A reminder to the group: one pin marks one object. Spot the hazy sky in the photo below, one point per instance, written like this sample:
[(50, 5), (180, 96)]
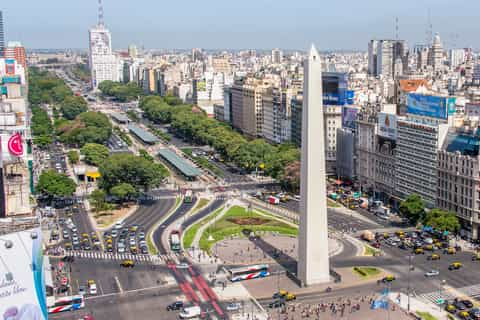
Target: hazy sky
[(235, 24)]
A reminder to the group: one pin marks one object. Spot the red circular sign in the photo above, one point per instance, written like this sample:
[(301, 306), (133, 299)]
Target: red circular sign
[(60, 264), (15, 145), (64, 281)]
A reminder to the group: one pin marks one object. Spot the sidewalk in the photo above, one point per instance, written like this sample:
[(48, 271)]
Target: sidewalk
[(417, 305)]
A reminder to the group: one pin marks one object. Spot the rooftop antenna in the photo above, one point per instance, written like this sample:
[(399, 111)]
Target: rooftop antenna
[(396, 28), (430, 28), (100, 13)]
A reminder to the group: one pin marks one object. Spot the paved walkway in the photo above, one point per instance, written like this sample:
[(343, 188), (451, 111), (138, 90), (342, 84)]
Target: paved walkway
[(416, 304)]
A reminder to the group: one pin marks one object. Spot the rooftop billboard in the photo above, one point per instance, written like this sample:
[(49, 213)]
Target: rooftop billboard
[(430, 106), (349, 117), (22, 285), (387, 125)]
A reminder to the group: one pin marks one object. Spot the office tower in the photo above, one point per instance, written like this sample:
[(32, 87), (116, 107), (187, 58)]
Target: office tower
[(2, 36), (372, 57), (102, 61), (313, 259), (277, 56), (457, 57), (387, 58), (436, 53)]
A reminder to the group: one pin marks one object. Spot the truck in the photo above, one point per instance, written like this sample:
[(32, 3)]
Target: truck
[(382, 211), (190, 312), (273, 200)]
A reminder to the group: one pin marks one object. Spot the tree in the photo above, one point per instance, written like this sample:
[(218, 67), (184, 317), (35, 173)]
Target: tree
[(72, 106), (120, 91), (53, 184), (135, 170), (88, 127), (73, 156), (291, 177), (144, 154), (42, 141), (442, 220), (97, 199), (123, 192), (95, 154), (413, 208)]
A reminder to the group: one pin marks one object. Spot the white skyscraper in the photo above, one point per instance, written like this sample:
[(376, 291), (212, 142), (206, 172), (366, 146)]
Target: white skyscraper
[(313, 260), (437, 53), (102, 61)]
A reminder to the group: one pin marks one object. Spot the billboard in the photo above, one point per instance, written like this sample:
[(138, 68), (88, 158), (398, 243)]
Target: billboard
[(387, 125), (472, 109), (430, 106), (349, 116), (334, 87), (22, 283)]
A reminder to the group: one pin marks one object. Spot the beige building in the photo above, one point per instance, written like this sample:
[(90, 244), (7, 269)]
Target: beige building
[(459, 179)]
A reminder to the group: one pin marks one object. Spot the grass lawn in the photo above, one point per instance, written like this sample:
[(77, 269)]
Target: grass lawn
[(201, 203), (190, 233), (236, 220), (366, 272), (369, 251), (426, 315)]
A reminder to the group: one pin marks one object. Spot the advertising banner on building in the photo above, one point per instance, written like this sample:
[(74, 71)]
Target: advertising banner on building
[(387, 125), (430, 106), (12, 147), (22, 283), (349, 116), (472, 109)]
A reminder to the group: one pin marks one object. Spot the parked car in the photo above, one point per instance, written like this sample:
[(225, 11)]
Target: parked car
[(432, 273), (177, 305)]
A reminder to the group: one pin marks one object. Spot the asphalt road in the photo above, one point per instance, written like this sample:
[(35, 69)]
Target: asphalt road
[(158, 233), (150, 212), (217, 203)]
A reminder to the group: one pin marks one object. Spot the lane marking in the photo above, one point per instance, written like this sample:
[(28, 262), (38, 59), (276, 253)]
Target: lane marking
[(119, 285)]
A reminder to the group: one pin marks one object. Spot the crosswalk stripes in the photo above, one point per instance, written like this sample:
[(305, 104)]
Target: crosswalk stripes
[(155, 259), (471, 291)]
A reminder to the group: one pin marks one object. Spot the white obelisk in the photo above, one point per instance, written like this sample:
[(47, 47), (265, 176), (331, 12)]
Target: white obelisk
[(313, 260)]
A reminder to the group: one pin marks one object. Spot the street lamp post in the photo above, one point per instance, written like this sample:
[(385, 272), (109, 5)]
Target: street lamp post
[(410, 267)]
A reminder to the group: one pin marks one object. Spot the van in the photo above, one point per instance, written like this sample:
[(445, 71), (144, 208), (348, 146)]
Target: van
[(190, 312)]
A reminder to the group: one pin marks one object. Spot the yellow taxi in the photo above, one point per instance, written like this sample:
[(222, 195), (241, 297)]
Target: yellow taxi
[(476, 257), (455, 266), (450, 250), (429, 247), (419, 251), (464, 315), (433, 256), (127, 263), (290, 297), (85, 235), (68, 245), (399, 233), (450, 308)]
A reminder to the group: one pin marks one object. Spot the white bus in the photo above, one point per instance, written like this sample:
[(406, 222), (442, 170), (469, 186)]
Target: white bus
[(69, 303), (249, 272)]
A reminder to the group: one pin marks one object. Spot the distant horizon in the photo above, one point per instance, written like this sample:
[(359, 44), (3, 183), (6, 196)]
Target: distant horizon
[(343, 26)]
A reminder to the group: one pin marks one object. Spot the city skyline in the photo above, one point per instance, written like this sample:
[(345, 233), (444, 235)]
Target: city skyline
[(146, 24)]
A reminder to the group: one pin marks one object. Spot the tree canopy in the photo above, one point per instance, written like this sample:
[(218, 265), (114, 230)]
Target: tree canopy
[(141, 173), (44, 87), (442, 220), (413, 208), (53, 184), (191, 124), (123, 192), (95, 154), (72, 106), (88, 127), (120, 91), (73, 156)]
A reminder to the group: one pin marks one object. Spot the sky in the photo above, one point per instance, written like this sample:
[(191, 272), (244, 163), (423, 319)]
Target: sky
[(241, 24)]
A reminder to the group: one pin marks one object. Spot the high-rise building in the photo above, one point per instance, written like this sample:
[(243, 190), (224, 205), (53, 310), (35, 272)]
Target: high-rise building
[(313, 259), (132, 51), (436, 53), (372, 57), (459, 179), (2, 35), (277, 56), (16, 51), (102, 61), (387, 58), (456, 57)]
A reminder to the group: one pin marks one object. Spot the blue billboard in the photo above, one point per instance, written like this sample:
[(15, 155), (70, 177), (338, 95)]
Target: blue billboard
[(349, 117), (430, 106), (334, 85)]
